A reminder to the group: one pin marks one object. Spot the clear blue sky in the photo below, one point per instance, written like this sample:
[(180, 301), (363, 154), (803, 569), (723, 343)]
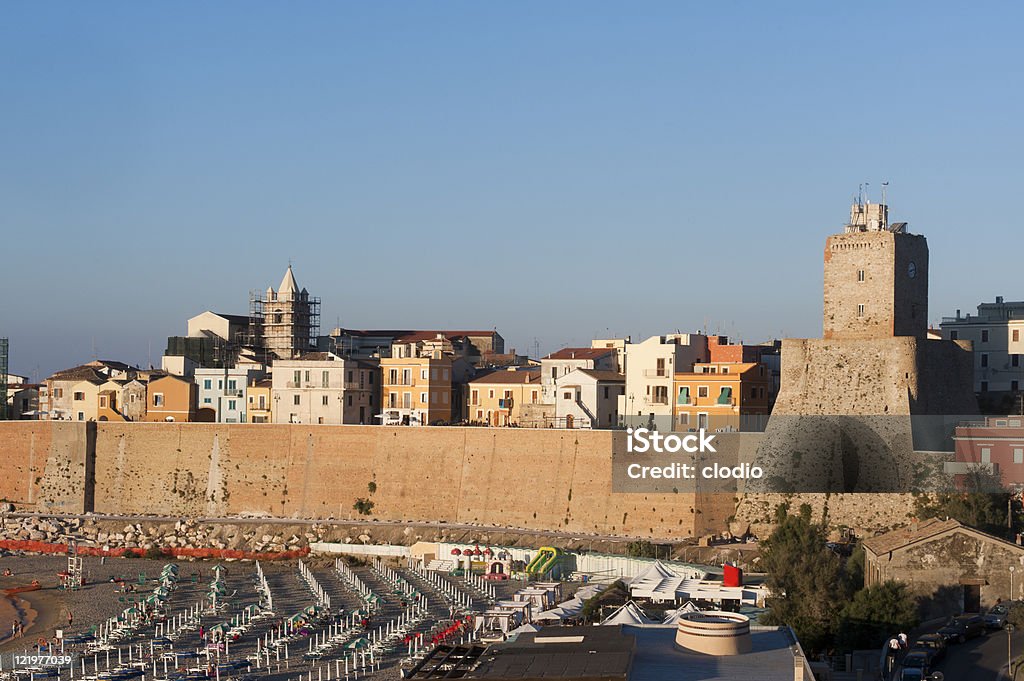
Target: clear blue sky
[(557, 170)]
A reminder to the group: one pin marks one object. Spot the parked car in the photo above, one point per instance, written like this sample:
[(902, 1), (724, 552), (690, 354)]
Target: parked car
[(996, 617), (917, 659), (962, 628), (933, 643)]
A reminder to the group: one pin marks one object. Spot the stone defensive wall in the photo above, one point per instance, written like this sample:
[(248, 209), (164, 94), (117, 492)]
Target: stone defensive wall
[(535, 479)]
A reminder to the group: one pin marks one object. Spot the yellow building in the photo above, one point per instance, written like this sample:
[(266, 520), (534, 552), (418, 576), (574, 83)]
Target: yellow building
[(416, 390), (721, 396), (497, 398), (257, 398)]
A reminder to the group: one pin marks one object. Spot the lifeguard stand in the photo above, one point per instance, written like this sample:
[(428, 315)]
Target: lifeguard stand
[(73, 576)]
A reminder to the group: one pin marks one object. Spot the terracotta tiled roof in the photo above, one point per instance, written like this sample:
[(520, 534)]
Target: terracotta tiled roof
[(508, 378), (904, 536), (580, 353)]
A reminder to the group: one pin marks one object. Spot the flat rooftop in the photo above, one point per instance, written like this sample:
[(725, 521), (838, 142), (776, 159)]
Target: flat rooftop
[(657, 657), (628, 653)]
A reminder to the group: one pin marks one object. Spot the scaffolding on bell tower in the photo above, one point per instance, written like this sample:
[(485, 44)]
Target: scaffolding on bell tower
[(284, 322)]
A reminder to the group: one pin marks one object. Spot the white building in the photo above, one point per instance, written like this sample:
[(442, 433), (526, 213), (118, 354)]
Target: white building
[(997, 333), (567, 360), (323, 388), (222, 391), (588, 398), (651, 366)]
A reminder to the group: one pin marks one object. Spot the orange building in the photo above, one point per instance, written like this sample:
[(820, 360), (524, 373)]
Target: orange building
[(171, 398), (722, 396), (416, 390)]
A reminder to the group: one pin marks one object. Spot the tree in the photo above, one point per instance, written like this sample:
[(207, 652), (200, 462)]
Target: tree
[(805, 578), (981, 506), (364, 506), (876, 613)]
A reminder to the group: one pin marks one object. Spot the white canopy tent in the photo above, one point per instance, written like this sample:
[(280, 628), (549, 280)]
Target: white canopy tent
[(628, 613)]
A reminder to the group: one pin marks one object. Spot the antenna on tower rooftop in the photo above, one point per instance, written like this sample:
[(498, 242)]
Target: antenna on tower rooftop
[(885, 213)]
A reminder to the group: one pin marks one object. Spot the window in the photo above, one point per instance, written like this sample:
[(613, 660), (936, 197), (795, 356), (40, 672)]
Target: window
[(661, 366), (371, 378), (81, 416), (725, 370), (320, 420), (1018, 454), (860, 310), (753, 393), (207, 384), (297, 378), (349, 376), (393, 376), (554, 373), (232, 405), (158, 400), (984, 335), (79, 397), (350, 400), (986, 455), (606, 392), (474, 397), (984, 359), (444, 374), (296, 399), (232, 384), (1015, 360), (566, 396), (207, 400), (490, 394), (702, 391), (1014, 386), (325, 379), (954, 335), (324, 400), (103, 401), (1016, 335), (220, 385), (424, 397), (479, 414), (444, 397), (984, 386), (307, 376), (58, 392), (684, 419), (423, 374), (406, 376), (533, 397), (860, 275)]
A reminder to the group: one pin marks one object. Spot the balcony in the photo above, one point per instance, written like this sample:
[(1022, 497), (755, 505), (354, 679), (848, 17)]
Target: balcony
[(655, 373), (656, 399), (233, 392)]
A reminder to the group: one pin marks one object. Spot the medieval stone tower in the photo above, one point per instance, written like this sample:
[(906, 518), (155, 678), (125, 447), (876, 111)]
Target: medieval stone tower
[(861, 408), (876, 278), (289, 319)]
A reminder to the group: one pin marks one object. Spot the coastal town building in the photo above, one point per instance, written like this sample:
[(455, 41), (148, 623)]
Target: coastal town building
[(324, 389), (60, 400), (221, 392), (950, 567), (497, 398), (588, 398), (996, 334), (994, 444), (417, 383), (652, 364), (566, 360), (722, 396), (258, 398), (171, 398)]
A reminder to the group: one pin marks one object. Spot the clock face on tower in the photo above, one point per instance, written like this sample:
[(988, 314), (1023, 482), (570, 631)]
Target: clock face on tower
[(912, 269)]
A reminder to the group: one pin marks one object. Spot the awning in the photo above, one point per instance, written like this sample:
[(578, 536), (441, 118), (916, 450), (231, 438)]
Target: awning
[(726, 396), (684, 396)]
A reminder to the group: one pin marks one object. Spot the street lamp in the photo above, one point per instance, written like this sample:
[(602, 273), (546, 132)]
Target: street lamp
[(1009, 649)]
